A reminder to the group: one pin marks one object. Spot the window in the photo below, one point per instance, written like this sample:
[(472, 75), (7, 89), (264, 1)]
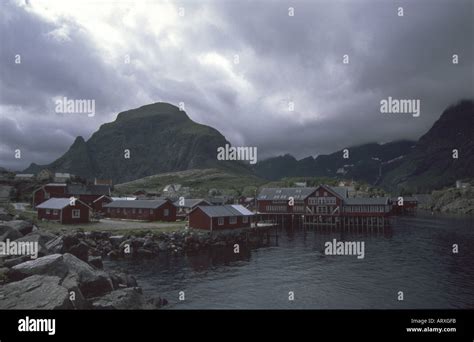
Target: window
[(151, 211), (220, 221), (233, 220), (76, 213), (134, 211), (47, 195), (325, 193), (245, 219), (108, 210), (55, 212), (166, 212), (118, 210), (48, 211), (139, 211)]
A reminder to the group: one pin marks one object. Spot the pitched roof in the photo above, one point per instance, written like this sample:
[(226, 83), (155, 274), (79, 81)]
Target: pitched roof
[(56, 203), (366, 201), (190, 202), (285, 193), (340, 190), (225, 210), (140, 204)]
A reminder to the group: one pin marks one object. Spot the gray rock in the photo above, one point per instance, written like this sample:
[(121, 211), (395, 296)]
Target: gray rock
[(163, 246), (123, 299), (91, 282), (75, 294), (121, 280), (70, 240), (15, 261), (7, 232), (42, 238), (116, 240), (81, 250), (35, 293), (24, 227), (56, 245)]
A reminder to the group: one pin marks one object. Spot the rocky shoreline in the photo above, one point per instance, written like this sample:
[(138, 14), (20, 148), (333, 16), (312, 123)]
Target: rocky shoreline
[(68, 272), (452, 200)]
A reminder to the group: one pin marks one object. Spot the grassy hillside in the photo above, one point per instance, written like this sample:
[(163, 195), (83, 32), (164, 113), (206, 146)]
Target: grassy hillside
[(199, 180)]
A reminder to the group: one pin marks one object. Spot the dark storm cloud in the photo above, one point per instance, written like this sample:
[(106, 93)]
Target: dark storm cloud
[(282, 59)]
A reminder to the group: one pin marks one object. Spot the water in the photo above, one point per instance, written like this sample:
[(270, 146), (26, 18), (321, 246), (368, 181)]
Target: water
[(414, 256)]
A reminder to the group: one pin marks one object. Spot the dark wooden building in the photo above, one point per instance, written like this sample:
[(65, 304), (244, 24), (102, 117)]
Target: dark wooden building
[(322, 205), (51, 190), (220, 217), (64, 210), (408, 205), (86, 193), (146, 210)]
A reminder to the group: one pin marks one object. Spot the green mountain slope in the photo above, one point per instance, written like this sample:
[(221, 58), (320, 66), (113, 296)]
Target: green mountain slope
[(159, 137)]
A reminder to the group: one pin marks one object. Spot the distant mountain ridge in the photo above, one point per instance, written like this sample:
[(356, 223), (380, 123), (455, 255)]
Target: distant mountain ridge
[(363, 163), (399, 166), (159, 137)]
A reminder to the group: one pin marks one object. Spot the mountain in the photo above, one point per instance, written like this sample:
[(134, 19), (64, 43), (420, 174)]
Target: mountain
[(431, 164), (160, 138), (401, 166), (363, 163)]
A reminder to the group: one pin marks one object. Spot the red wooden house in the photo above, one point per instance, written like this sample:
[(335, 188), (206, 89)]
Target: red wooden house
[(64, 210), (86, 193), (146, 210), (51, 190), (220, 217)]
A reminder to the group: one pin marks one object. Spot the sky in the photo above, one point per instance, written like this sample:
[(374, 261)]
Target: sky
[(250, 69)]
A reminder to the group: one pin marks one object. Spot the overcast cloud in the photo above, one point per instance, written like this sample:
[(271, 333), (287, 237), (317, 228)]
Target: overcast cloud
[(78, 49)]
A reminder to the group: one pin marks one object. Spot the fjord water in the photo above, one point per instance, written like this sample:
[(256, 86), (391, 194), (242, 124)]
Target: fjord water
[(415, 256)]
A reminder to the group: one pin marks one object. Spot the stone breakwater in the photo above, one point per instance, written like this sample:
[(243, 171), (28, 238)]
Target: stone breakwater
[(68, 271)]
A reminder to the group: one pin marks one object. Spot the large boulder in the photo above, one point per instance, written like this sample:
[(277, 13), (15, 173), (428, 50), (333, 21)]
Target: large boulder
[(24, 227), (55, 245), (124, 299), (37, 292), (5, 215), (90, 281), (81, 250), (9, 233), (122, 280), (116, 240), (41, 237)]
